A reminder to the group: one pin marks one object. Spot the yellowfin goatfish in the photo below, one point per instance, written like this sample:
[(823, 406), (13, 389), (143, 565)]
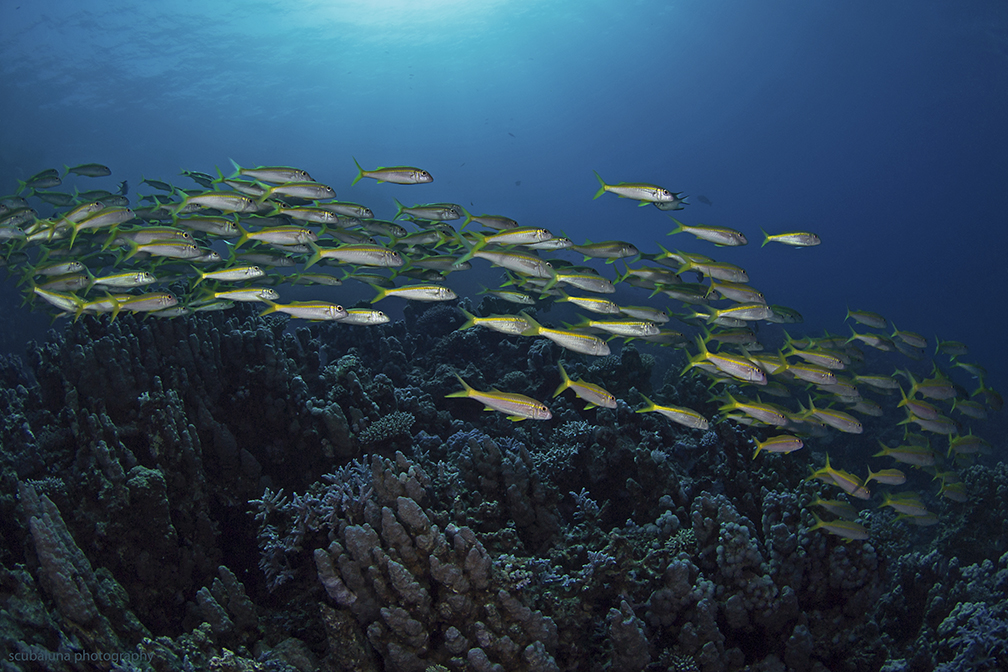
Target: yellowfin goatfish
[(908, 503), (868, 318), (234, 274), (490, 221), (344, 209), (887, 476), (522, 235), (968, 444), (836, 507), (264, 294), (68, 303), (280, 235), (168, 249), (511, 297), (593, 394), (272, 174), (625, 328), (394, 174), (645, 313), (436, 212), (145, 303), (513, 325), (639, 191), (765, 413), (307, 310), (89, 170), (520, 262), (126, 279), (918, 456), (833, 418), (794, 238), (684, 416), (417, 293), (718, 270), (576, 341), (517, 406), (845, 529), (785, 443), (737, 291), (360, 255), (846, 481), (101, 218), (601, 306), (311, 191), (589, 282), (364, 317), (735, 366), (225, 201), (714, 234), (610, 250)]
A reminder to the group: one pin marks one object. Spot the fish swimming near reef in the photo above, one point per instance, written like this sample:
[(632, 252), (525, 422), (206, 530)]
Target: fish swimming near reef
[(517, 406), (394, 175)]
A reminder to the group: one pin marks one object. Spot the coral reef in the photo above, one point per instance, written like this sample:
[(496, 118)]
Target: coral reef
[(221, 492)]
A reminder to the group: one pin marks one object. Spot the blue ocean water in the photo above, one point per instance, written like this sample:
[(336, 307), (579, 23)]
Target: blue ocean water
[(878, 126)]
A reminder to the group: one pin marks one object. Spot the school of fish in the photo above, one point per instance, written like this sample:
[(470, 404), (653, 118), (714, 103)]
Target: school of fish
[(240, 238)]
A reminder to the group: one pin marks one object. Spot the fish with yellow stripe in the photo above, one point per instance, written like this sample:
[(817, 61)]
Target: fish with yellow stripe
[(517, 406)]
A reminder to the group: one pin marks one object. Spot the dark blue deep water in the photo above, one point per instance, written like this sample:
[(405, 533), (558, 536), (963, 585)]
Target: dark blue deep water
[(881, 127)]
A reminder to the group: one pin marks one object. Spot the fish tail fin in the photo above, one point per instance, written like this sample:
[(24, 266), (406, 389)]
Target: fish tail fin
[(113, 232), (237, 168), (265, 195), (360, 172), (871, 476), (534, 327), (565, 380), (133, 247), (678, 229), (602, 189), (703, 346), (766, 239), (73, 236), (382, 293), (650, 404), (273, 307), (243, 238), (759, 447), (315, 258), (470, 247), (400, 208), (470, 319), (554, 278), (201, 276), (464, 392), (468, 218), (220, 177)]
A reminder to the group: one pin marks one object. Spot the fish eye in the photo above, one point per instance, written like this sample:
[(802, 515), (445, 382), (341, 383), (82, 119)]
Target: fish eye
[(339, 308)]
